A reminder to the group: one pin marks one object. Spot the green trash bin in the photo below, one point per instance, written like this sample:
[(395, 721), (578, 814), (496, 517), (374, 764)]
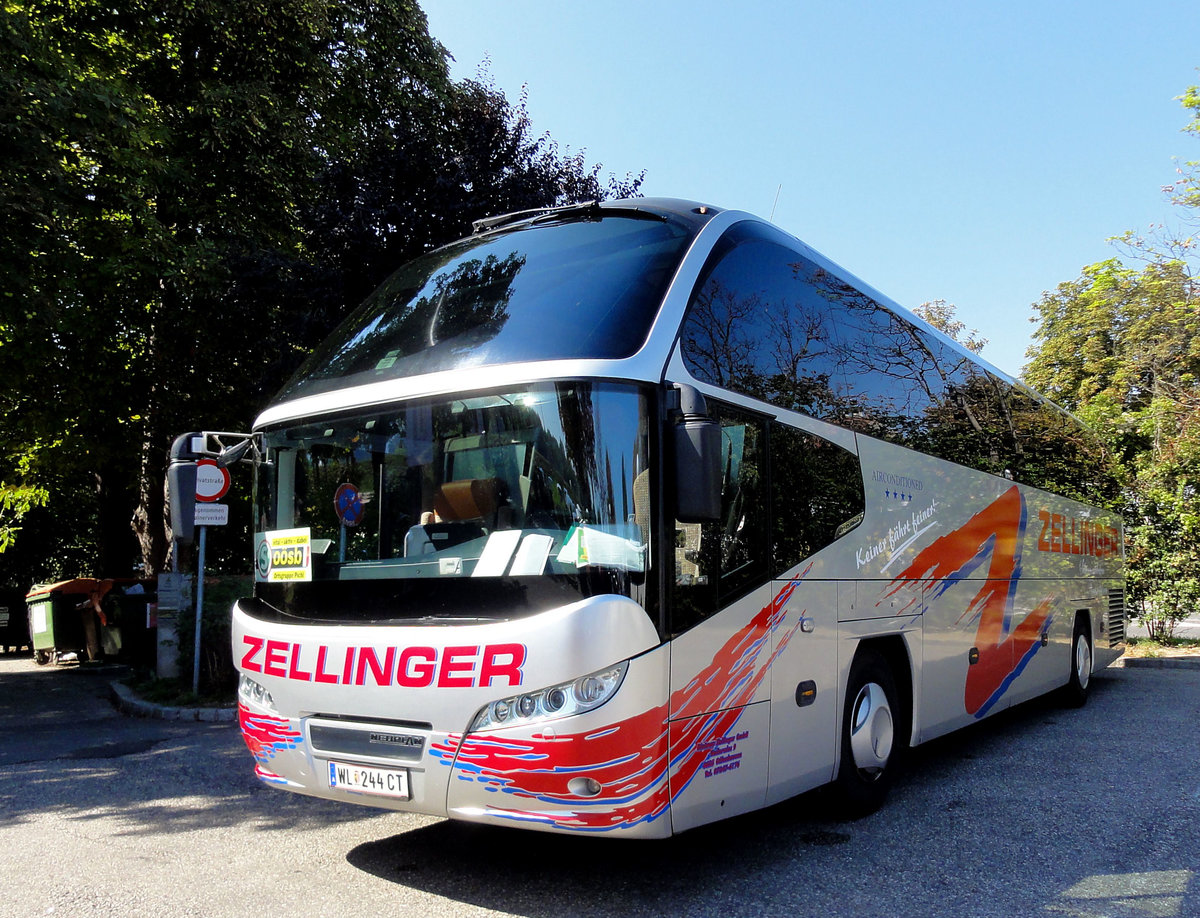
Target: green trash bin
[(120, 630), (55, 620)]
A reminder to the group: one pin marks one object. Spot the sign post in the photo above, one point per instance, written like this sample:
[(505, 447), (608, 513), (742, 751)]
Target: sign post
[(212, 483)]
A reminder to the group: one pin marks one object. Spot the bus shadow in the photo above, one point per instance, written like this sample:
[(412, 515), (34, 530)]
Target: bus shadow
[(977, 739), (537, 874)]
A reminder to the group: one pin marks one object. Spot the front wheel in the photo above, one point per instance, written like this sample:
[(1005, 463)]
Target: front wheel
[(869, 741), (1076, 691)]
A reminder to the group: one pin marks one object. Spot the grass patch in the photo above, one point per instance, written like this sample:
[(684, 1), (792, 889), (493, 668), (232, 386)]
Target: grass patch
[(174, 693), (1168, 647)]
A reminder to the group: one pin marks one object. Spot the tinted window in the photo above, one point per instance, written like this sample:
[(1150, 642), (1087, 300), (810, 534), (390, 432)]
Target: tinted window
[(715, 563), (757, 324), (1053, 452), (774, 513), (816, 495), (891, 376), (584, 289), (766, 321)]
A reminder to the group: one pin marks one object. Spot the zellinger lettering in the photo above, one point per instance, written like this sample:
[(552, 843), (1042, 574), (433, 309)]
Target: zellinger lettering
[(1069, 535), (465, 666)]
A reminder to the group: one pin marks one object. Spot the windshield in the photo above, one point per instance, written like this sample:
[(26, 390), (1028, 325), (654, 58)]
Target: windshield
[(580, 289), (471, 505)]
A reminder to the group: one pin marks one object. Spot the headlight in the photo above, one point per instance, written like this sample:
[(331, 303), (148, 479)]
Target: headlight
[(251, 692), (583, 694)]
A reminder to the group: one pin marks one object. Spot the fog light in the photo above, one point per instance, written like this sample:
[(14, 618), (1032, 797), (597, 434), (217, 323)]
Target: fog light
[(584, 787)]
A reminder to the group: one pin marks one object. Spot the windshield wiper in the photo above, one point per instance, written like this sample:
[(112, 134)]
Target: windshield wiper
[(587, 210)]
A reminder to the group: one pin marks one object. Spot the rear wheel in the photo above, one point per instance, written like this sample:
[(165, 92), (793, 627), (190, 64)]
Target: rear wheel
[(869, 742), (1076, 691)]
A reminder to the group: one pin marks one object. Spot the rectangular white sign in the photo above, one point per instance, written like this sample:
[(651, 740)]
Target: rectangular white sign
[(211, 514)]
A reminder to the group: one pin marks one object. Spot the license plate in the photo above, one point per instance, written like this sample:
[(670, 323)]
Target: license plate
[(387, 782)]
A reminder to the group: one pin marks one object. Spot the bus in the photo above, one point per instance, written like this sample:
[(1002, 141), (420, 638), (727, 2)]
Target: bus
[(628, 517)]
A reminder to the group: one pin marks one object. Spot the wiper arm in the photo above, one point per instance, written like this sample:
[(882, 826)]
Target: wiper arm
[(586, 210)]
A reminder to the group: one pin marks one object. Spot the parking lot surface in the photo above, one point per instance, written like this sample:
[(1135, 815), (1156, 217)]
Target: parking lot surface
[(1038, 811)]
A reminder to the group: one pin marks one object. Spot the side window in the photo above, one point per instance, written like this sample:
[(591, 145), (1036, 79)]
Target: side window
[(893, 378), (759, 324), (1055, 453), (816, 495), (715, 563)]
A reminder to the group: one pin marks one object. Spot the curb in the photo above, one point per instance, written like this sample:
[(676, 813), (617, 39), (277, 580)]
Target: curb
[(1161, 662), (128, 702)]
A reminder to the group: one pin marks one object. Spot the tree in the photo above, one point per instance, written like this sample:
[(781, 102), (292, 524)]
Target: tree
[(1185, 191), (194, 194), (15, 502), (421, 184), (1120, 346), (152, 141), (942, 316)]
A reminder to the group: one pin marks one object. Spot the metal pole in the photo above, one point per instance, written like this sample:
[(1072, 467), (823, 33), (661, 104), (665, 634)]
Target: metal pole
[(199, 612)]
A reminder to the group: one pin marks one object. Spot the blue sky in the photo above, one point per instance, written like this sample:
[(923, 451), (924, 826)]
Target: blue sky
[(975, 152)]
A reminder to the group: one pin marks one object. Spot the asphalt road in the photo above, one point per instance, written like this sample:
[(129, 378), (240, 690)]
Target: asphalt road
[(1039, 811)]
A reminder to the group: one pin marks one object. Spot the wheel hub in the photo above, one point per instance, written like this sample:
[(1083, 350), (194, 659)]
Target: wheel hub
[(872, 730), (1083, 661)]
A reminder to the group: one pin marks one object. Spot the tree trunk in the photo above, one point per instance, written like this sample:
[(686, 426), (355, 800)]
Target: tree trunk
[(150, 518), (116, 551)]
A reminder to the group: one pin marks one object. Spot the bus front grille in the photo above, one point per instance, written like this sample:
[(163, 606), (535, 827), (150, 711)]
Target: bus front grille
[(364, 739)]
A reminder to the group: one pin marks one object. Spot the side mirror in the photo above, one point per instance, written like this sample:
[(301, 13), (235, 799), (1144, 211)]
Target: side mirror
[(697, 460), (232, 455), (181, 487)]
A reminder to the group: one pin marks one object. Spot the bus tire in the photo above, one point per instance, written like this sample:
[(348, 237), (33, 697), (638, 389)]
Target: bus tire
[(869, 749), (1076, 691)]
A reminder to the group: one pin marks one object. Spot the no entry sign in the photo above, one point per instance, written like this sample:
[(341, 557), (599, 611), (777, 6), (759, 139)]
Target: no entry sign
[(212, 481)]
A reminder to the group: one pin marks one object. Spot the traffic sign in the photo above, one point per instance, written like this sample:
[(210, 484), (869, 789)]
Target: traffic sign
[(349, 505), (212, 481), (209, 514)]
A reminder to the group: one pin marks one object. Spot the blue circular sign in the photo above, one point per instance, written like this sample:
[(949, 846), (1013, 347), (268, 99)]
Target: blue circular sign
[(349, 505)]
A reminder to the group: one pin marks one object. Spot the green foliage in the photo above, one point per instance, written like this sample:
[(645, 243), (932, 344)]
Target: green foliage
[(1120, 346), (15, 502), (1186, 191), (942, 316), (1163, 577), (217, 673), (194, 194)]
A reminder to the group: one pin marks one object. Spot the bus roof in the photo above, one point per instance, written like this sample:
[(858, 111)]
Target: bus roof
[(588, 290)]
